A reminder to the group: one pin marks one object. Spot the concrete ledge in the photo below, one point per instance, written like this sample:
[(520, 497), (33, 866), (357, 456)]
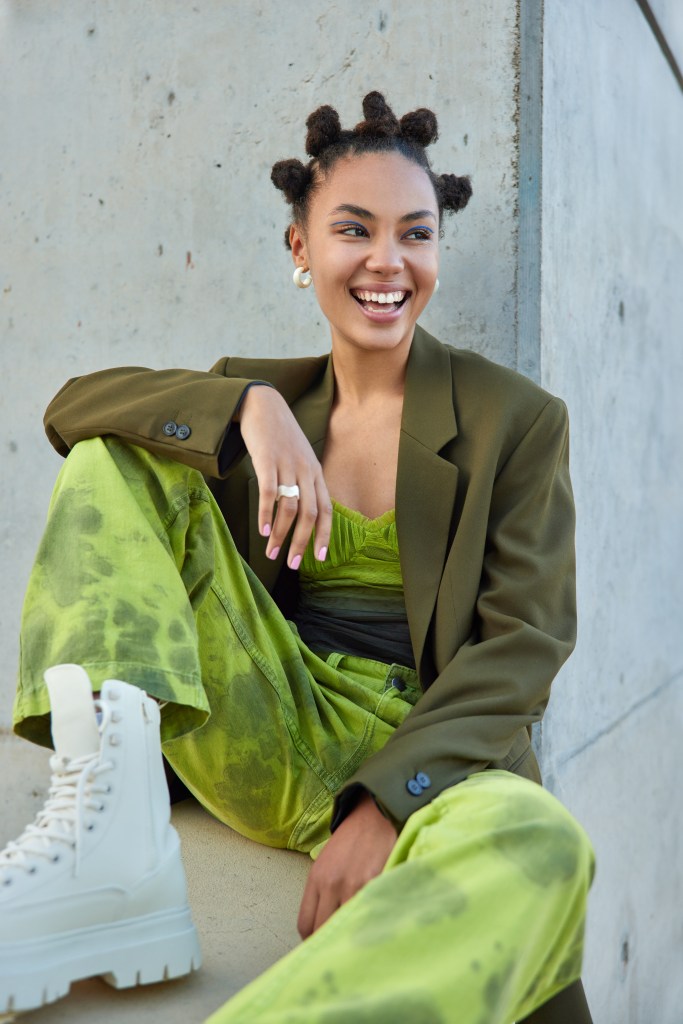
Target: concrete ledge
[(244, 898)]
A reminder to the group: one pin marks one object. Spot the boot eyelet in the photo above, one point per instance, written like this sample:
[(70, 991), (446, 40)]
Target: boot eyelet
[(33, 870), (100, 808), (56, 859), (7, 881), (116, 716), (114, 740), (90, 827)]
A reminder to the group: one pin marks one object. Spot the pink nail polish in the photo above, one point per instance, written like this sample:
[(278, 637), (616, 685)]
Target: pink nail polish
[(273, 554), (296, 562), (322, 554), (265, 530)]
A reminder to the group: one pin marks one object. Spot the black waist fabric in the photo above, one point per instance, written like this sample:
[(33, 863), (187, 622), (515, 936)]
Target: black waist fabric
[(380, 637)]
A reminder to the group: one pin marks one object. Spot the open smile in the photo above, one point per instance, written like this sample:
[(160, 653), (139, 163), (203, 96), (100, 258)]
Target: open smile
[(380, 302)]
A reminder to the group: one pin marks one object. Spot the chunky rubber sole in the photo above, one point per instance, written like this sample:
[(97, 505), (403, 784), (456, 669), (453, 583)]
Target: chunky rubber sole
[(139, 951)]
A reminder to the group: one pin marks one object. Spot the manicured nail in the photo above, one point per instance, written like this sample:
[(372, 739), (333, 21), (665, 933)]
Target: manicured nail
[(265, 530), (273, 554), (322, 554), (296, 562)]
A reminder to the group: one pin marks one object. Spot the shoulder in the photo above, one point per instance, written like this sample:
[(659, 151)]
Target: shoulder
[(494, 405), (482, 388), (480, 378)]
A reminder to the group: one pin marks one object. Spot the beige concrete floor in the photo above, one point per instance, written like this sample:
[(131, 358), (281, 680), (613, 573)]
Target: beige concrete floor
[(244, 899)]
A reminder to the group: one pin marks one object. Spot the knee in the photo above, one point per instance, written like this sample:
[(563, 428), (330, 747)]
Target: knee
[(114, 460), (544, 839)]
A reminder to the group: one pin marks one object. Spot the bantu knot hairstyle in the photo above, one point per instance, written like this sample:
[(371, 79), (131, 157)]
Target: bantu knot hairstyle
[(324, 129), (292, 177), (379, 132), (455, 192)]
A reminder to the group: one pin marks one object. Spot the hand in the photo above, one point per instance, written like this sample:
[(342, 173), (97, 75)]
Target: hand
[(355, 854), (281, 454)]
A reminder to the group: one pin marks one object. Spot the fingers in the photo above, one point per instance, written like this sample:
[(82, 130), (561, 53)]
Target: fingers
[(267, 489), (327, 904), (318, 904), (288, 509), (312, 510), (282, 455), (309, 904), (323, 524)]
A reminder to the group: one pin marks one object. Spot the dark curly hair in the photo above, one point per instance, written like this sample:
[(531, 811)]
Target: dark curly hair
[(380, 132)]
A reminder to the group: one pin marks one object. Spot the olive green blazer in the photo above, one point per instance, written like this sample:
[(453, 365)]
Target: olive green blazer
[(485, 523)]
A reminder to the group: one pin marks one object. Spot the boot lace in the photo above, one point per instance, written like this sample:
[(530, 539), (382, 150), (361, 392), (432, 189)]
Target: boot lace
[(75, 787)]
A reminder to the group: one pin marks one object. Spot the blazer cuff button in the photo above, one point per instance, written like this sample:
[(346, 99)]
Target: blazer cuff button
[(183, 432), (169, 428)]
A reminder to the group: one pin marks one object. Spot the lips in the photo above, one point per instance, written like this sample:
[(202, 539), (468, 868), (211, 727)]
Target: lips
[(380, 302)]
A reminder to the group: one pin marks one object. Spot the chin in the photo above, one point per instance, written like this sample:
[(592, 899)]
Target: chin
[(375, 340)]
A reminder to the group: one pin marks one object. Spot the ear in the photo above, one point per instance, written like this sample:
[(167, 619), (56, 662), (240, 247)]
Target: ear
[(298, 246)]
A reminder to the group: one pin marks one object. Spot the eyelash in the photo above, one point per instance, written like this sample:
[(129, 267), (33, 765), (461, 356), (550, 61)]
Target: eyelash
[(423, 234)]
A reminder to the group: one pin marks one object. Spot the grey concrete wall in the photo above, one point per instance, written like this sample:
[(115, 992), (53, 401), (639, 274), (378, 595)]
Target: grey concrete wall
[(612, 345), (138, 222), (138, 225), (669, 17)]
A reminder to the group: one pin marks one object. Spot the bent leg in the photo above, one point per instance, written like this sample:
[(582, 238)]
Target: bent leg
[(478, 917), (125, 559), (138, 578)]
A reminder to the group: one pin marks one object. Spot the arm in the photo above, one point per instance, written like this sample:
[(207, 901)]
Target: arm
[(135, 404), (498, 681), (495, 685), (221, 418), (355, 854)]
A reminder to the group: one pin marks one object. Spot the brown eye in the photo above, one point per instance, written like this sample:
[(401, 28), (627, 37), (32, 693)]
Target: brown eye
[(421, 234), (353, 231)]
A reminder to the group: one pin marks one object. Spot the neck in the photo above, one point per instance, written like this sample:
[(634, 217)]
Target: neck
[(364, 376)]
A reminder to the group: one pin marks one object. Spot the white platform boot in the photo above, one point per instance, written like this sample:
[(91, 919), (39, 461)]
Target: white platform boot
[(95, 886)]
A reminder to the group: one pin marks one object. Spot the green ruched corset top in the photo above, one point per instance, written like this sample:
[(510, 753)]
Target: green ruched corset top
[(352, 603)]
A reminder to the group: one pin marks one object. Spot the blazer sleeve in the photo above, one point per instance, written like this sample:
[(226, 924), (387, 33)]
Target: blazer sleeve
[(498, 681), (148, 407)]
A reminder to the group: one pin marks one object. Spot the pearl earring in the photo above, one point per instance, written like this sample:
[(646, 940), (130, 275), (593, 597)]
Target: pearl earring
[(302, 278), (436, 286)]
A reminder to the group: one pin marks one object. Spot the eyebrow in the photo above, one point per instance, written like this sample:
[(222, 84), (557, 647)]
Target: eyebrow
[(359, 211)]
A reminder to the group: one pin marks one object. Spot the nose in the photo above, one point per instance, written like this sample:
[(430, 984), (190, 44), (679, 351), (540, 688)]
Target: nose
[(385, 256)]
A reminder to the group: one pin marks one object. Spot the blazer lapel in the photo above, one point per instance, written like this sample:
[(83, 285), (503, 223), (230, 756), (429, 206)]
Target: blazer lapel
[(312, 412), (426, 483), (425, 486)]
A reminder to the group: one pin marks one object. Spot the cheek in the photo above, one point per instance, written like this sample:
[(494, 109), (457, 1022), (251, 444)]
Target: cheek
[(331, 274), (428, 271)]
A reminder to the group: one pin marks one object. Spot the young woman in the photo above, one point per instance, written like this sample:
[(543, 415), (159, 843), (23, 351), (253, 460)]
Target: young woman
[(347, 582)]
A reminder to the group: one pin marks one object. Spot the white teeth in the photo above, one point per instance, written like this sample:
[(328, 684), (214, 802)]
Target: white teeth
[(380, 297)]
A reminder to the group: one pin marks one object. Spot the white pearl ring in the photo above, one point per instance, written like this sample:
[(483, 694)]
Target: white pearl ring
[(284, 491)]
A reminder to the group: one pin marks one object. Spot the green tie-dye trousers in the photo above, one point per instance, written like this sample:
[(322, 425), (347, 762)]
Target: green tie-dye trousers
[(478, 916)]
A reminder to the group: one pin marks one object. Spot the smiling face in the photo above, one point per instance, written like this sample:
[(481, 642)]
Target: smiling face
[(371, 242)]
